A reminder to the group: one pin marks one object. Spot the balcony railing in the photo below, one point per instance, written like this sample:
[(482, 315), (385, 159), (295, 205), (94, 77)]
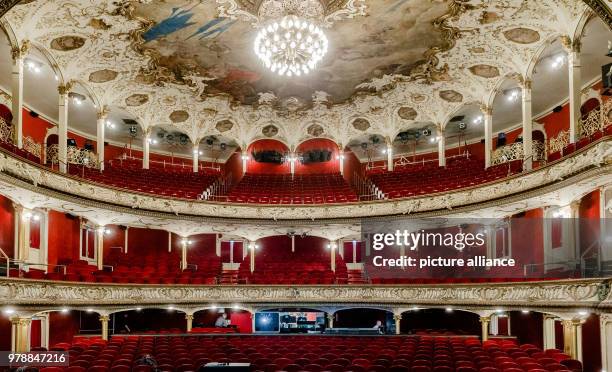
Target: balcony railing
[(76, 156), (514, 151)]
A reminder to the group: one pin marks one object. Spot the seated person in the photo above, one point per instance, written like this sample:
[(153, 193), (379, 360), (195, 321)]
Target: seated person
[(222, 321), (379, 326)]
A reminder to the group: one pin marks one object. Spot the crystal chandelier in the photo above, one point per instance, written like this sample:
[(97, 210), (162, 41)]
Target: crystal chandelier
[(291, 47)]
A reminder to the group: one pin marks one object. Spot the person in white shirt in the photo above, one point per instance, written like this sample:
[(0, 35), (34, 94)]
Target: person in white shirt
[(222, 321)]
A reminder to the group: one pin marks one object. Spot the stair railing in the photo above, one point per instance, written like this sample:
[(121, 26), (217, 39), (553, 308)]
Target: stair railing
[(584, 256), (7, 259)]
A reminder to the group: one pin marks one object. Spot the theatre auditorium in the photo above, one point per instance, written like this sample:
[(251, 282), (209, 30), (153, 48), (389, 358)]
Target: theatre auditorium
[(306, 185)]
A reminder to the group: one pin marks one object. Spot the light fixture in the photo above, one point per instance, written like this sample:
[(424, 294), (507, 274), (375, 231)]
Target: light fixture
[(583, 313), (513, 95), (89, 310), (8, 311), (110, 124), (236, 307), (34, 66), (499, 311), (525, 311), (291, 46), (139, 309), (170, 308), (478, 119), (36, 217), (384, 151), (245, 157), (558, 61), (332, 246), (449, 309), (64, 310)]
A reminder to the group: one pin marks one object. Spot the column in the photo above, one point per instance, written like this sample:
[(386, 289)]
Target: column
[(549, 332), (575, 86), (484, 323), (292, 160), (169, 241), (389, 152), (332, 247), (487, 112), (62, 128), (145, 150), (100, 230), (18, 55), (189, 318), (527, 125), (494, 325), (441, 146), (605, 330), (244, 156), (101, 126), (184, 243), (104, 320), (330, 320), (231, 247), (22, 218), (20, 331), (572, 340), (252, 247), (196, 157), (292, 243), (125, 239), (398, 321), (341, 160), (218, 245)]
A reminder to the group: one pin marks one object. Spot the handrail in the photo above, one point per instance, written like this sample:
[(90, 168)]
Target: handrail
[(595, 244), (7, 258), (543, 265), (26, 264)]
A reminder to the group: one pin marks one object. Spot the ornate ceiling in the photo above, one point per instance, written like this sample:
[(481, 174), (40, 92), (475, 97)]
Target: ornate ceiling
[(392, 65)]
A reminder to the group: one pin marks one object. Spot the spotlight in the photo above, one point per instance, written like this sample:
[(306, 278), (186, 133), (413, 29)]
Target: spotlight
[(449, 309), (236, 307), (583, 313), (525, 311), (64, 310), (170, 308), (213, 307), (499, 311), (139, 309), (89, 310), (8, 311)]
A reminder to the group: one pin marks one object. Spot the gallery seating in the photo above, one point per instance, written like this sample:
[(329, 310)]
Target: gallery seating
[(285, 189), (314, 353)]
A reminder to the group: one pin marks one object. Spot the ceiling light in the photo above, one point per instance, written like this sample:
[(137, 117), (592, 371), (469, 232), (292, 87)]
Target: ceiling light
[(583, 313), (478, 120), (290, 47), (235, 307), (558, 61), (138, 308), (449, 309), (525, 311), (64, 310), (9, 311), (89, 310)]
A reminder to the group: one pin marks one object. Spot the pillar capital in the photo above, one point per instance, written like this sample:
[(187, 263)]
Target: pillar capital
[(104, 318), (485, 319), (103, 113), (571, 46), (189, 316), (330, 317), (486, 109), (525, 84), (20, 52), (64, 89), (397, 317), (21, 320)]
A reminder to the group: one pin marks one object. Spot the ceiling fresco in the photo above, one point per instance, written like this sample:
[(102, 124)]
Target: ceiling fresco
[(187, 39)]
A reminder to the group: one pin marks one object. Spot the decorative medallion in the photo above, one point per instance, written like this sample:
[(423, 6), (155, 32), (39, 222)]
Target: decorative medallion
[(67, 43), (522, 35), (103, 76), (224, 126), (269, 131), (315, 130), (407, 113), (485, 71), (137, 100), (361, 124), (179, 116), (451, 96)]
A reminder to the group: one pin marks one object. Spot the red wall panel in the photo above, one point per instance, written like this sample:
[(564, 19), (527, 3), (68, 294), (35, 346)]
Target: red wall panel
[(267, 168), (527, 238), (242, 319), (7, 221), (63, 238), (331, 166)]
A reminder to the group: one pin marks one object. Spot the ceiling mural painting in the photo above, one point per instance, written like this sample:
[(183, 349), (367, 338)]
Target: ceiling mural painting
[(392, 65), (190, 41)]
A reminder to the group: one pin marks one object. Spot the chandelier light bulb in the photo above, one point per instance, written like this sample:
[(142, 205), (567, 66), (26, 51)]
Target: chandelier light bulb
[(292, 47)]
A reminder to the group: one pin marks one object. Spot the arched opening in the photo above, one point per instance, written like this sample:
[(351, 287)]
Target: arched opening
[(268, 156), (317, 156), (222, 320), (440, 322), (364, 318), (147, 321), (69, 326), (290, 320)]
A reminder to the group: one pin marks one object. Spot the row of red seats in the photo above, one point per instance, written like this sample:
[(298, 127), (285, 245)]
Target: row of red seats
[(287, 189), (316, 353)]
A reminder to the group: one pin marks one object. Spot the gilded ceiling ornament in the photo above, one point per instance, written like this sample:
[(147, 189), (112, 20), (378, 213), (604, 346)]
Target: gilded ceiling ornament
[(137, 99), (67, 43), (315, 130), (269, 131), (407, 113), (224, 126), (103, 76), (361, 124), (451, 96), (179, 116), (522, 35), (485, 71)]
